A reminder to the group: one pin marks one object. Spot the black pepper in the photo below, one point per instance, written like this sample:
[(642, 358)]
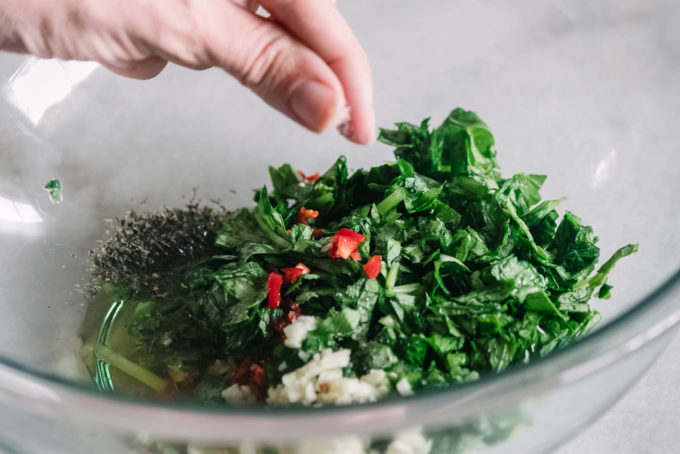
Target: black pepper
[(145, 250)]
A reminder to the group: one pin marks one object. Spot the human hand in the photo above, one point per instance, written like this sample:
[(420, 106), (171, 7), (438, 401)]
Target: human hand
[(304, 60)]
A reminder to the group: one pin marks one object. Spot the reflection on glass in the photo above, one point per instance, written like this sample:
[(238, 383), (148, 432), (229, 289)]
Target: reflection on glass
[(40, 84), (17, 212), (481, 434), (26, 388), (605, 168)]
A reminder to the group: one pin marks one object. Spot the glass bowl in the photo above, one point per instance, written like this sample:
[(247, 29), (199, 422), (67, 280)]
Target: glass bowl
[(584, 92)]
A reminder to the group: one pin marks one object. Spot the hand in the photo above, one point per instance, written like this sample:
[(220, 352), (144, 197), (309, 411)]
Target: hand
[(304, 60)]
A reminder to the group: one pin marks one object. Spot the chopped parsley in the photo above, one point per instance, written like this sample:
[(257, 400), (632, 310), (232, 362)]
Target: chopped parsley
[(53, 188), (433, 269)]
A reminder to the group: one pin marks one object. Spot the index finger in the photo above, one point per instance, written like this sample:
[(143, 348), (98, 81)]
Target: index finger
[(323, 29)]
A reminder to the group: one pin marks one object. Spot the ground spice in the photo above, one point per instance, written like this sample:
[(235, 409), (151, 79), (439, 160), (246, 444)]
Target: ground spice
[(143, 250)]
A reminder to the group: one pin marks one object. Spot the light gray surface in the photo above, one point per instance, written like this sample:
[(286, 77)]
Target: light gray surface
[(646, 420)]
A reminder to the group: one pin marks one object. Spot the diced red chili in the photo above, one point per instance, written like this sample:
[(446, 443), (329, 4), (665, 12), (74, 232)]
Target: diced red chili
[(251, 374), (294, 311), (317, 233), (257, 378), (280, 324), (292, 274), (351, 234), (305, 269), (240, 374), (274, 283), (309, 179), (257, 381), (372, 267), (304, 215), (345, 243)]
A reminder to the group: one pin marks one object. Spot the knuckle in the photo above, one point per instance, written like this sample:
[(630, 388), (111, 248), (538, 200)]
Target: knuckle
[(174, 31), (195, 48), (187, 33), (266, 60)]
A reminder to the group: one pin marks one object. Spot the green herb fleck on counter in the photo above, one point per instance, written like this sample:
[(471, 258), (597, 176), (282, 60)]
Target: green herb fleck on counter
[(53, 187)]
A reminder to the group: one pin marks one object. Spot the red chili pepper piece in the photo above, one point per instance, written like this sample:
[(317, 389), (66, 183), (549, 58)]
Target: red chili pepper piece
[(294, 312), (280, 324), (305, 269), (257, 379), (251, 374), (309, 179), (372, 267), (240, 374), (274, 283), (304, 215), (344, 244), (291, 275), (317, 233)]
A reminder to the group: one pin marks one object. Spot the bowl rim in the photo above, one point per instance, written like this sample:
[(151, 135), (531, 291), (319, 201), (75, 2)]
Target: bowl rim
[(54, 394), (48, 393)]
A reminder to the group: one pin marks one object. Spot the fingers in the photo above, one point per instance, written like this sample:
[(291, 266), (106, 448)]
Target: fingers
[(250, 5), (263, 56), (323, 29), (141, 69), (308, 66)]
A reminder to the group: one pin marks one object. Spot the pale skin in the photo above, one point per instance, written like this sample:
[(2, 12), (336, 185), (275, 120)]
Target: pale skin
[(304, 60)]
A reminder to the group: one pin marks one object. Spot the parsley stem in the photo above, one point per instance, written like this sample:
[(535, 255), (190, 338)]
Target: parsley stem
[(133, 369), (407, 288), (391, 279), (391, 201)]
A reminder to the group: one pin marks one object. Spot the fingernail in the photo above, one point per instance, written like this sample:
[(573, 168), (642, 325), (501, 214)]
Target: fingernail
[(362, 133), (347, 129), (372, 131), (313, 103), (341, 116), (372, 135)]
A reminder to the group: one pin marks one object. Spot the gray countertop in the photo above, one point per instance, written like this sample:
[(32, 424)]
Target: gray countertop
[(646, 420)]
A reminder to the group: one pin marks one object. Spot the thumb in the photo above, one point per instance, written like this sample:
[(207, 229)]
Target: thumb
[(265, 57)]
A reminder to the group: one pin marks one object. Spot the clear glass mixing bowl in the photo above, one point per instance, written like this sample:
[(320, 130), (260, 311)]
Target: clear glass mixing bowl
[(586, 92)]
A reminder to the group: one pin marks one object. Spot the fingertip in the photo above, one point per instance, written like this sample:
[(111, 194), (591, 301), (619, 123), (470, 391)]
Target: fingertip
[(355, 77), (363, 133), (315, 105)]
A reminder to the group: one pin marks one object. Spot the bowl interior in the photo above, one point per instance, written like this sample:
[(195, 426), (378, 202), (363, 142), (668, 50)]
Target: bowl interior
[(586, 94)]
